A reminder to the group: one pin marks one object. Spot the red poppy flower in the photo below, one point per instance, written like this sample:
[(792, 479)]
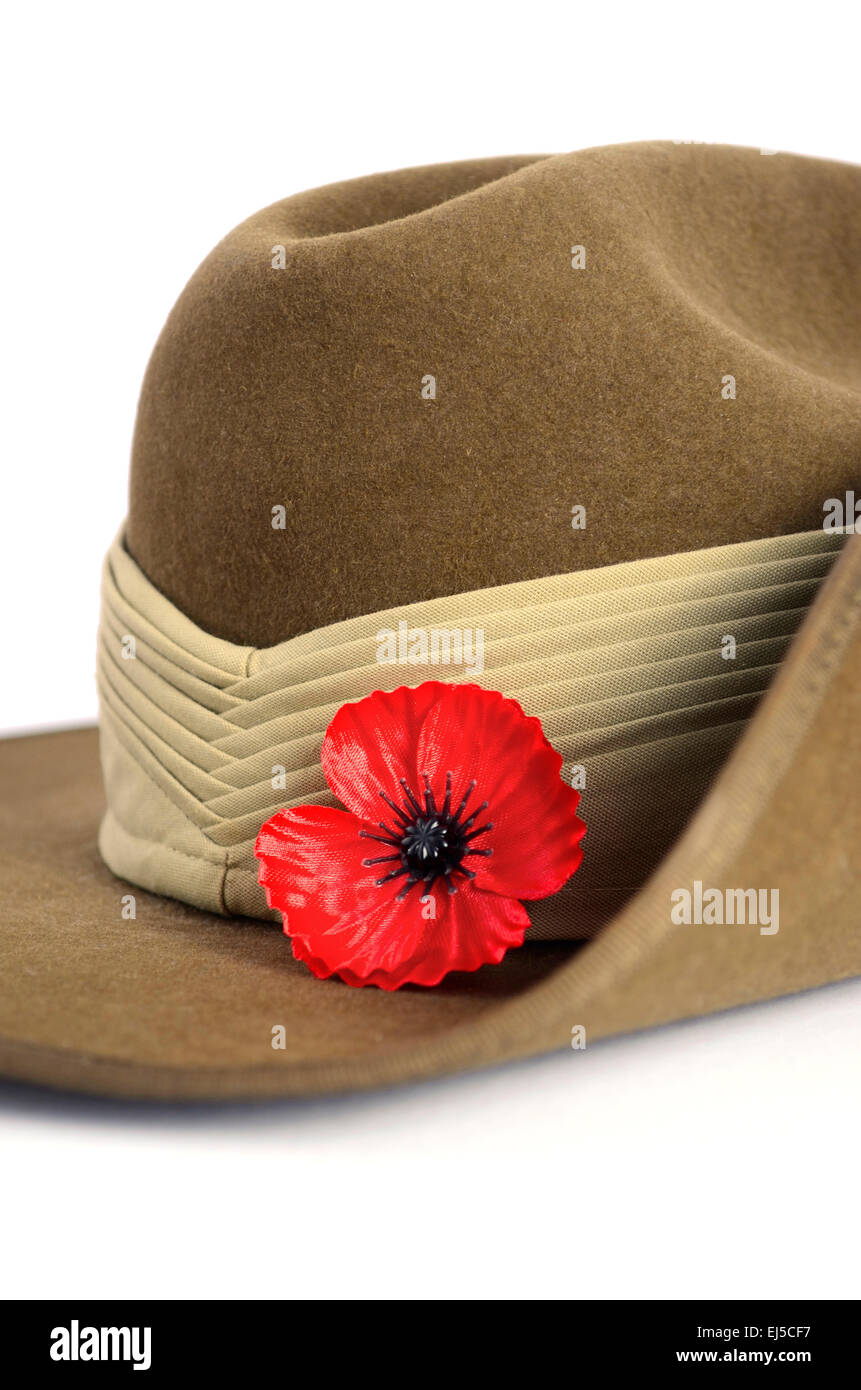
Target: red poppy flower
[(476, 817)]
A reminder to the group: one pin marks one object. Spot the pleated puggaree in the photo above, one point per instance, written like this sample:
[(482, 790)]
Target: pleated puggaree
[(203, 740)]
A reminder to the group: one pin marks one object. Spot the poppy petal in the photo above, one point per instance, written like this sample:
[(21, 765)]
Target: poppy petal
[(341, 921), (371, 744), (481, 736)]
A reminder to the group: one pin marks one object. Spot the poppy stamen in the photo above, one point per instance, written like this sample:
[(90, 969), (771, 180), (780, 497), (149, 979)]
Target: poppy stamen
[(430, 841)]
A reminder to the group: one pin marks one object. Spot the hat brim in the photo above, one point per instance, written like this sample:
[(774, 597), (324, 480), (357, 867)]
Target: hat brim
[(175, 1003)]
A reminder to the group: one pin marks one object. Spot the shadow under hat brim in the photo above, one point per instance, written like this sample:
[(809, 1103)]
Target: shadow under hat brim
[(181, 1004)]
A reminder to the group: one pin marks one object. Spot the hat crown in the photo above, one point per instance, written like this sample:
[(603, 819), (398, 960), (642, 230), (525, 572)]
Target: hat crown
[(446, 378)]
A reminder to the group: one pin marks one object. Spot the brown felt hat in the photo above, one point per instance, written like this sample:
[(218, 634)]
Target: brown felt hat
[(597, 416)]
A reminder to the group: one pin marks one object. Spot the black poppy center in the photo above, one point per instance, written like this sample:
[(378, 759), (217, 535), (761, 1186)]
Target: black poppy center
[(430, 846), (428, 842)]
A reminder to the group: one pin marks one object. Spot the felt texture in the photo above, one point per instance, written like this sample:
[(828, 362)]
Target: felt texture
[(179, 1004), (302, 387), (604, 387)]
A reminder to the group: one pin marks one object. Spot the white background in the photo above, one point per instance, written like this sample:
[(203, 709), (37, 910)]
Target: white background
[(717, 1158)]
